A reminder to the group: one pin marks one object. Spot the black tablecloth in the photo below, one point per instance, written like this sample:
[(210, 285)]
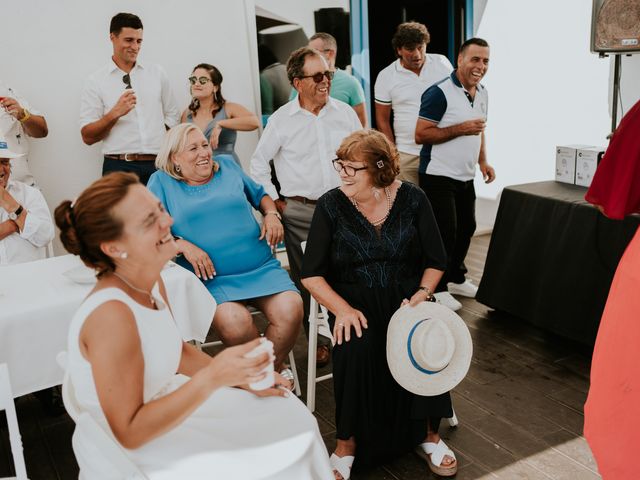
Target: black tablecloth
[(552, 257)]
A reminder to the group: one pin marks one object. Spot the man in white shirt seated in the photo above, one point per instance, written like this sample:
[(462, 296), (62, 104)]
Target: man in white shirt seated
[(19, 121), (302, 137), (25, 222), (127, 105)]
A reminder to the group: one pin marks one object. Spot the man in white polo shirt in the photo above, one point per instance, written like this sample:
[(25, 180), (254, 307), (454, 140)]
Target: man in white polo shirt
[(127, 105), (453, 113), (302, 137), (399, 88)]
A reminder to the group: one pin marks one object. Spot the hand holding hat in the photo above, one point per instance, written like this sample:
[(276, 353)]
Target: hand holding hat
[(429, 348)]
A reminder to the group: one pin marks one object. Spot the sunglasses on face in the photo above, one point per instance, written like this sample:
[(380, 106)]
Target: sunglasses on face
[(200, 80), (317, 77), (126, 79), (349, 171)]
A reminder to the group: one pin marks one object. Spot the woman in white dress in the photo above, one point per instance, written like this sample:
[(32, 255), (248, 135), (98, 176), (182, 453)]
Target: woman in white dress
[(172, 407)]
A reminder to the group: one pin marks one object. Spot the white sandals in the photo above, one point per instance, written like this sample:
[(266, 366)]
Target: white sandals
[(434, 453), (287, 374), (342, 465)]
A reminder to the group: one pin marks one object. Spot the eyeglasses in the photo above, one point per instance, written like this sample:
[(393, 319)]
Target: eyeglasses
[(200, 80), (126, 79), (317, 77), (348, 169)]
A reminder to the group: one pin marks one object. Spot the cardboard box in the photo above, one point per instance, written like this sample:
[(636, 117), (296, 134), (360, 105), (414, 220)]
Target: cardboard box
[(587, 160), (566, 162)]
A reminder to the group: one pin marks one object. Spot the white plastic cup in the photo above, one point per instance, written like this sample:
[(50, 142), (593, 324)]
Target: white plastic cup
[(269, 380)]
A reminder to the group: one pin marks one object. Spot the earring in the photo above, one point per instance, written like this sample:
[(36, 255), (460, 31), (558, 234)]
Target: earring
[(124, 255), (178, 168), (380, 163)]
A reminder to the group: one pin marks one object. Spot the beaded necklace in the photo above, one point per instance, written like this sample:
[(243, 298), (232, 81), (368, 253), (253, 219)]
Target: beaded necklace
[(380, 221)]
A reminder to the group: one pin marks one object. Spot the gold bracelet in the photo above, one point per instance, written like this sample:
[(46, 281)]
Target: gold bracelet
[(26, 116), (273, 212), (427, 290)]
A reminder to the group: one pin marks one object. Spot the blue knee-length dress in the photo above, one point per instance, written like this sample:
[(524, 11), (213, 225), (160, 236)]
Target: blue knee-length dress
[(218, 218)]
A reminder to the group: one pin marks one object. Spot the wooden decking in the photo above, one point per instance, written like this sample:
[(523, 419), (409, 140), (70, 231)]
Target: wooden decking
[(520, 408)]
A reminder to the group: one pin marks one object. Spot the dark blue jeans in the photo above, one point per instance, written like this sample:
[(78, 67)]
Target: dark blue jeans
[(142, 168), (454, 206)]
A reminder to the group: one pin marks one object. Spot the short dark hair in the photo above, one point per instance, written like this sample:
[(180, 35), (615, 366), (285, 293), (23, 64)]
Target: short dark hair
[(124, 20), (328, 40), (297, 59), (473, 41), (410, 34)]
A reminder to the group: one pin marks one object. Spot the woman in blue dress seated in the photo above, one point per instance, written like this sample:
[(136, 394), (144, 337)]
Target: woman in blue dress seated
[(220, 240), (218, 119)]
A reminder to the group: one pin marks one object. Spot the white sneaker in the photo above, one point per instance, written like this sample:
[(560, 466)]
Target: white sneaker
[(446, 299), (466, 289)]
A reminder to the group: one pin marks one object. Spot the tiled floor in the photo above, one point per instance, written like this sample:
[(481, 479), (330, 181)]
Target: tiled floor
[(520, 408)]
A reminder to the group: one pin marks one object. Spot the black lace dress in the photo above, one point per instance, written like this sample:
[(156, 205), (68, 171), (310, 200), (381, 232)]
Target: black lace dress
[(374, 270)]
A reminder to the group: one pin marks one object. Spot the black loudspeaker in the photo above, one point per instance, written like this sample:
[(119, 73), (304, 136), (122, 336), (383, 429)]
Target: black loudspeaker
[(615, 26), (335, 21)]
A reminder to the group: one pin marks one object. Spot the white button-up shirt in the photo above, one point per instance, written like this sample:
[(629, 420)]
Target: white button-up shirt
[(402, 89), (27, 245), (302, 146), (142, 129), (15, 135)]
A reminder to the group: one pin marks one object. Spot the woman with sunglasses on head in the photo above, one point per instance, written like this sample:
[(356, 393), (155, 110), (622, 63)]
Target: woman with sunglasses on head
[(218, 119), (373, 246)]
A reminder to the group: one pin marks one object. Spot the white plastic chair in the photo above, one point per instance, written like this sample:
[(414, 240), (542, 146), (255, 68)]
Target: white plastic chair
[(292, 360), (6, 404), (103, 441), (319, 325)]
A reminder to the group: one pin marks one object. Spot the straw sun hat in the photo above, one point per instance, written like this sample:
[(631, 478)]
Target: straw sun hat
[(429, 348)]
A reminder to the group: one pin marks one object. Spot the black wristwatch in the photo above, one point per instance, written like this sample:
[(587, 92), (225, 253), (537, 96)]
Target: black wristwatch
[(16, 213)]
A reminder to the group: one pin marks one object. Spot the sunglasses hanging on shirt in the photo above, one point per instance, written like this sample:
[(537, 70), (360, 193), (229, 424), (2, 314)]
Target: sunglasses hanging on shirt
[(126, 79)]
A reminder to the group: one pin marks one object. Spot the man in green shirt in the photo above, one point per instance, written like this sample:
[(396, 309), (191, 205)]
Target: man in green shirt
[(344, 87)]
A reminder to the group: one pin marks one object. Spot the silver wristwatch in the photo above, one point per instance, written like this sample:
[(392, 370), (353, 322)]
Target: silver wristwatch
[(16, 213)]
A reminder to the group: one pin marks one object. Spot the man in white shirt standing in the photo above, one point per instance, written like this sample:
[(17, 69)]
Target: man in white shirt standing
[(25, 222), (399, 87), (127, 105), (302, 137), (18, 121)]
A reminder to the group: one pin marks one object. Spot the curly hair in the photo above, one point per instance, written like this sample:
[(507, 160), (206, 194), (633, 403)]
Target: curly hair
[(370, 147), (89, 221), (410, 35)]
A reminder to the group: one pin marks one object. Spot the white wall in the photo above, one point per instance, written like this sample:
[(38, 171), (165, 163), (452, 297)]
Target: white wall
[(55, 45), (545, 87), (629, 83), (301, 11)]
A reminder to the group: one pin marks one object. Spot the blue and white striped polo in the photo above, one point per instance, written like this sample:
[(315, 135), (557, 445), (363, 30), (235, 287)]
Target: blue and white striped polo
[(448, 103)]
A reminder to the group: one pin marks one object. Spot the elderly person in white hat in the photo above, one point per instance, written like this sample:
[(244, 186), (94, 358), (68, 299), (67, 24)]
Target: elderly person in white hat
[(25, 222), (373, 246)]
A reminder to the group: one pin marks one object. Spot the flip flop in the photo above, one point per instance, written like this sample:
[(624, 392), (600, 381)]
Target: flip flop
[(434, 453), (342, 465), (287, 374)]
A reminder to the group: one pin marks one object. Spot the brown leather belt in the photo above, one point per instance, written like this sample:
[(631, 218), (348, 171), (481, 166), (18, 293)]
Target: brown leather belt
[(297, 198), (132, 157)]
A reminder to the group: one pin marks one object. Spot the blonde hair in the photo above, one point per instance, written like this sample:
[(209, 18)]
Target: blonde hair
[(174, 142), (370, 146)]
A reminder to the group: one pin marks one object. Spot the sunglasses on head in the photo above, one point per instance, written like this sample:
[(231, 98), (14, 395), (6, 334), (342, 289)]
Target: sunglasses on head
[(200, 80), (317, 77), (126, 79)]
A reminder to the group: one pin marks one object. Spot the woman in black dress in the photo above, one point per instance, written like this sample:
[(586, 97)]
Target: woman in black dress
[(374, 245)]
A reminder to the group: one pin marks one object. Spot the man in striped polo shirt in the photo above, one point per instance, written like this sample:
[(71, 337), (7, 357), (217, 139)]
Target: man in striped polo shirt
[(450, 127)]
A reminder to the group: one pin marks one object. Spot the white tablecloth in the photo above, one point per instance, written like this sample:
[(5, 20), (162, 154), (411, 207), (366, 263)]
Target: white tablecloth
[(37, 303)]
